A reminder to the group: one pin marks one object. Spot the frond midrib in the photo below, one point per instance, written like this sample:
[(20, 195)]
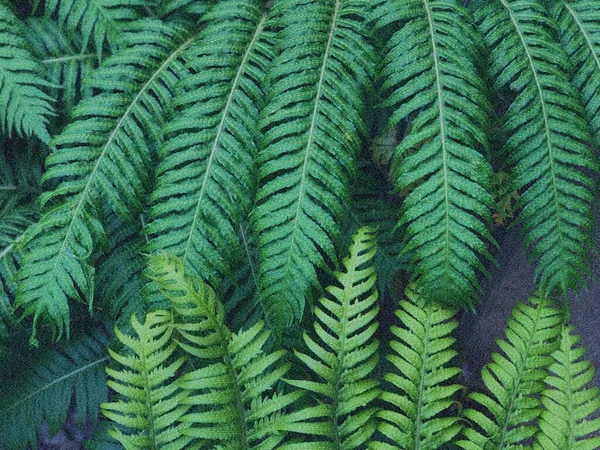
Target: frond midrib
[(147, 397), (220, 129), (583, 32), (424, 360), (68, 58)]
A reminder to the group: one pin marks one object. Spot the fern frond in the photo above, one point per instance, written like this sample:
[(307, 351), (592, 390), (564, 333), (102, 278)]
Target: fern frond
[(24, 107), (345, 353), (99, 20), (568, 404), (313, 125), (228, 393), (515, 379), (150, 403), (420, 391), (103, 155), (38, 386), (430, 77), (205, 178), (546, 139), (195, 8), (579, 27)]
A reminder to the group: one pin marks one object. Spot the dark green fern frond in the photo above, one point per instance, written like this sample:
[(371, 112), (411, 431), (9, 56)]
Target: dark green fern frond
[(195, 8), (569, 404), (65, 60), (420, 391), (103, 155), (430, 77), (205, 178), (313, 125), (39, 385), (579, 26), (546, 138), (24, 107), (515, 380), (150, 403), (98, 20), (345, 354)]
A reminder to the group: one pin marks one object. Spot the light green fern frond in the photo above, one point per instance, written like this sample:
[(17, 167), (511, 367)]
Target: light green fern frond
[(24, 107), (569, 404), (546, 138), (103, 155), (312, 124), (515, 380), (150, 403), (205, 178), (430, 77), (345, 354), (420, 390), (37, 386), (579, 26)]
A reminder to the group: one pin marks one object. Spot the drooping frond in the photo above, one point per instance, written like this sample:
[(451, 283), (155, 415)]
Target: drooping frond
[(99, 20), (546, 138), (515, 380), (65, 60), (24, 107), (419, 395), (205, 178), (344, 355), (579, 27), (150, 403), (313, 122), (233, 394), (570, 406), (103, 155), (39, 385), (430, 77)]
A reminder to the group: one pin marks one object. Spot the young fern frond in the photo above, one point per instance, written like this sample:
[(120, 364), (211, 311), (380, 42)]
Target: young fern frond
[(312, 125), (515, 380), (568, 404), (579, 27), (103, 155), (24, 106), (38, 386), (150, 402), (546, 139), (344, 355), (230, 408), (420, 389), (429, 76), (205, 178)]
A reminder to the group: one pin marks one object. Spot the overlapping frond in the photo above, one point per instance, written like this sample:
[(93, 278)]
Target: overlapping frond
[(570, 406), (103, 155), (419, 395), (312, 122), (344, 355), (579, 27), (546, 138), (150, 403), (37, 386), (515, 380), (24, 107), (205, 178), (430, 77)]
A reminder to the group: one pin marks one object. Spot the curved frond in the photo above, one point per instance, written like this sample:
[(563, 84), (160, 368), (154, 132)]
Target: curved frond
[(579, 27), (515, 380), (205, 178), (420, 390), (103, 155), (37, 386), (569, 403), (312, 127), (430, 77), (546, 139), (24, 107), (344, 355), (150, 403)]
